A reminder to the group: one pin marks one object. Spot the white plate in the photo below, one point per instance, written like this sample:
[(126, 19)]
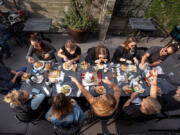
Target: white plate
[(68, 68), (64, 86), (39, 67)]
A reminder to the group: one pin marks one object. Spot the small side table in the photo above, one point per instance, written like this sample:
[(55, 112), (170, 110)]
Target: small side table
[(143, 27)]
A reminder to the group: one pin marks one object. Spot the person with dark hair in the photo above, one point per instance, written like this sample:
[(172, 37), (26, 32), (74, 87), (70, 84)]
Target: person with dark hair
[(64, 111), (98, 55), (10, 78), (43, 51), (127, 51), (70, 52), (26, 106), (104, 105), (156, 55)]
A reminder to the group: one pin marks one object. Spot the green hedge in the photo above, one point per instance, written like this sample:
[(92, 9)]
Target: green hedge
[(166, 12)]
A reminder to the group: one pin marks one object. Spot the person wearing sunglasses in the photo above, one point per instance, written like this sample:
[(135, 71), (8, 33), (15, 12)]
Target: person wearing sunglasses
[(156, 55)]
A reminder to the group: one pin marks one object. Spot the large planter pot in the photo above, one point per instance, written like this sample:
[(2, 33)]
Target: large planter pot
[(79, 35)]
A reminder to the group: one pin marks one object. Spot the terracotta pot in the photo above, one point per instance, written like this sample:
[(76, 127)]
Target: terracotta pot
[(79, 35)]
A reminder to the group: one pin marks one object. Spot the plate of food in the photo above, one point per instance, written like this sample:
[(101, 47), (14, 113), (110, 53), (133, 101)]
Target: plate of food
[(100, 89), (53, 75), (123, 67), (67, 66), (127, 89), (138, 88), (84, 65), (91, 78), (132, 68), (38, 65), (65, 89), (25, 76)]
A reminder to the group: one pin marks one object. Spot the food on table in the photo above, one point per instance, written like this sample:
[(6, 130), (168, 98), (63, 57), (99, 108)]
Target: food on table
[(53, 74), (38, 64), (112, 74), (129, 61), (105, 70), (84, 65), (100, 66), (89, 77), (25, 76), (127, 89), (67, 66), (100, 89), (66, 89), (122, 59), (132, 68), (138, 88), (125, 79), (123, 67), (48, 66)]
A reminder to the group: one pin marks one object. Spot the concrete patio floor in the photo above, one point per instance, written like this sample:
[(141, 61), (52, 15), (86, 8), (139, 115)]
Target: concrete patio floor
[(172, 64)]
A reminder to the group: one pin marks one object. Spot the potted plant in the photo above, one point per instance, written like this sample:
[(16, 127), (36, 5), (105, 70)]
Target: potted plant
[(78, 20)]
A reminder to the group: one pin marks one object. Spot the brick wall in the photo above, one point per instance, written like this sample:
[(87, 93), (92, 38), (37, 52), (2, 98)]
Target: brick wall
[(47, 8)]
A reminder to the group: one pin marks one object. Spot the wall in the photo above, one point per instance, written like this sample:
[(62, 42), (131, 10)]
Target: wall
[(47, 8)]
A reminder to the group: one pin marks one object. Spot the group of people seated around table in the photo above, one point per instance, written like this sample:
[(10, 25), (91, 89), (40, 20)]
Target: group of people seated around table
[(62, 111)]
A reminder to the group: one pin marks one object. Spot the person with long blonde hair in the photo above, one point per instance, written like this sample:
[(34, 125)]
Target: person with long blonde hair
[(104, 105), (26, 106), (64, 111), (70, 52)]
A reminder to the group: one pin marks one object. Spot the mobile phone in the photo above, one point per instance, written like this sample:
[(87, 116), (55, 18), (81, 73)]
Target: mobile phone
[(36, 91)]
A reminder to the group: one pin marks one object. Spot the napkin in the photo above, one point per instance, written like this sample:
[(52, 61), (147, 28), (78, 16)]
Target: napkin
[(62, 76), (79, 91), (46, 91)]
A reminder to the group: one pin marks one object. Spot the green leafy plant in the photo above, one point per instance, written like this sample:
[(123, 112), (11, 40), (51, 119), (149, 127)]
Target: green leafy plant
[(78, 17)]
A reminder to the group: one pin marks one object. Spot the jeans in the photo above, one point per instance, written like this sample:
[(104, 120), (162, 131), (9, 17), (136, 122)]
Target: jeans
[(3, 43)]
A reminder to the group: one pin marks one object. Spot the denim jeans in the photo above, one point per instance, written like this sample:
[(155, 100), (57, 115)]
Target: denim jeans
[(3, 43)]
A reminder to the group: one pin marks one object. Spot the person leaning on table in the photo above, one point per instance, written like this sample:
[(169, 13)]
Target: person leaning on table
[(26, 106), (70, 52), (104, 105), (149, 106), (64, 111), (156, 55), (40, 49), (127, 50), (98, 55)]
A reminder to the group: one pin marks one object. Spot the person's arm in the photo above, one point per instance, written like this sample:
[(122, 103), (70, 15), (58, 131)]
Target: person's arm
[(13, 72), (154, 88), (128, 102), (30, 52), (86, 93), (35, 102), (144, 58), (17, 74), (155, 63), (76, 59), (61, 54)]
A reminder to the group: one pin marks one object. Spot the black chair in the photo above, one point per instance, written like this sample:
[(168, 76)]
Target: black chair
[(72, 129)]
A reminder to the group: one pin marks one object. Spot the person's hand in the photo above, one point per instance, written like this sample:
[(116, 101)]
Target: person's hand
[(65, 58), (73, 102), (108, 82), (136, 61), (31, 60), (105, 60), (134, 94), (154, 72), (46, 56), (98, 61), (73, 79), (19, 73)]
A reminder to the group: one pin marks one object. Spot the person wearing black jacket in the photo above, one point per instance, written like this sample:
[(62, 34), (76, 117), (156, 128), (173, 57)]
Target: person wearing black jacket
[(26, 106), (98, 55)]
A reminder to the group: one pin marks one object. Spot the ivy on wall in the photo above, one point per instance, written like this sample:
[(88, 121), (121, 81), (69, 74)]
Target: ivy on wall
[(166, 12)]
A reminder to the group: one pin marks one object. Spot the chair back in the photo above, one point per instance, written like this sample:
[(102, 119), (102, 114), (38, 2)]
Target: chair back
[(72, 129)]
